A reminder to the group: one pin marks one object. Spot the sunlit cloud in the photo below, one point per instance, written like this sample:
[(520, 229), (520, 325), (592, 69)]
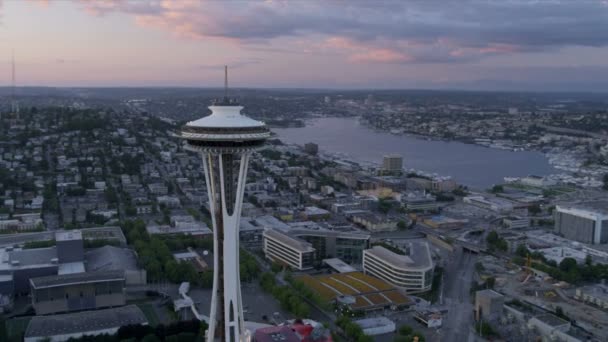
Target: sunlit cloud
[(391, 31)]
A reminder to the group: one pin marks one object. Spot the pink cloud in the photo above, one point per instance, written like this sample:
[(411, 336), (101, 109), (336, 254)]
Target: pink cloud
[(381, 56)]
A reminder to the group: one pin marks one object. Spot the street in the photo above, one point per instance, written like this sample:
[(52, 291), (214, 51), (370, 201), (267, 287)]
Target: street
[(458, 275)]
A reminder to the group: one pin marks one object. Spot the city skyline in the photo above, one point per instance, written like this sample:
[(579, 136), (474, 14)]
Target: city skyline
[(478, 45)]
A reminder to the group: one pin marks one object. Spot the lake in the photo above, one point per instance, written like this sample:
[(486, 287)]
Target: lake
[(476, 166)]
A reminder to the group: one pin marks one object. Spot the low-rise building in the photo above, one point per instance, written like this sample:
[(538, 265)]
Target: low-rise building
[(499, 205), (594, 294), (429, 319), (376, 326), (515, 222), (443, 222), (373, 222), (411, 272), (78, 291), (74, 325), (488, 304)]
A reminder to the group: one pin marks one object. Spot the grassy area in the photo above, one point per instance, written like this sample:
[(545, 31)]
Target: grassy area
[(150, 313), (15, 328)]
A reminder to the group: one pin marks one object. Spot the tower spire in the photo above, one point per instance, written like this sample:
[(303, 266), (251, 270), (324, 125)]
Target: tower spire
[(226, 82), (14, 105)]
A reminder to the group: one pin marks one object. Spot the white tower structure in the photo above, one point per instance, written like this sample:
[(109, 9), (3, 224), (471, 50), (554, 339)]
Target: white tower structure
[(225, 139)]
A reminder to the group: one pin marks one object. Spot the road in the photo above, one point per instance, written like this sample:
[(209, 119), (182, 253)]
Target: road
[(458, 276)]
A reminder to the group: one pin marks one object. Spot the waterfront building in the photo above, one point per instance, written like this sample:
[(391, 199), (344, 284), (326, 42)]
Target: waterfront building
[(225, 140), (311, 148), (586, 222), (392, 163), (411, 272)]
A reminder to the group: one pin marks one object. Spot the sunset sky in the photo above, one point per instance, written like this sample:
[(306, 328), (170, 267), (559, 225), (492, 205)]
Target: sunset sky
[(324, 44)]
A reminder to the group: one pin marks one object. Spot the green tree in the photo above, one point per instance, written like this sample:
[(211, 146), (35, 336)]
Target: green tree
[(568, 264), (497, 189), (522, 250), (534, 209), (405, 330), (401, 225)]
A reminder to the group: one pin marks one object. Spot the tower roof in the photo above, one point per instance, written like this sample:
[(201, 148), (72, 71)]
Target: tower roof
[(225, 116)]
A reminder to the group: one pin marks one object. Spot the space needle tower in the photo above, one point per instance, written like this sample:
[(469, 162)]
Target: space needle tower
[(225, 140)]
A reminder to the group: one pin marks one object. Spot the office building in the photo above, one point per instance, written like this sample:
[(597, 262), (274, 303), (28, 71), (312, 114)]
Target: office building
[(344, 243), (392, 163), (586, 222), (226, 140), (78, 291), (411, 272), (282, 248)]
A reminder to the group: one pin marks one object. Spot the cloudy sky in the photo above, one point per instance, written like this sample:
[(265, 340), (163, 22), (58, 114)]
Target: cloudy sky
[(464, 44)]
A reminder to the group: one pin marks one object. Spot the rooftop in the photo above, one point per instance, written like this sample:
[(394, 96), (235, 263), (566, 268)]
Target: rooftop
[(276, 334), (488, 293), (418, 256), (68, 235), (108, 258), (551, 320), (85, 321), (339, 265), (301, 246), (374, 322), (76, 278), (23, 258), (600, 207), (225, 117)]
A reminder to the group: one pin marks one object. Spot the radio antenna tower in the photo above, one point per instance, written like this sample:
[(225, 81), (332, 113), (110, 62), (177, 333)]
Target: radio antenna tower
[(14, 104)]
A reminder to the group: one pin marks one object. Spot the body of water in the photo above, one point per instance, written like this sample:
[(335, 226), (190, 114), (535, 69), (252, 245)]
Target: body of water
[(472, 165)]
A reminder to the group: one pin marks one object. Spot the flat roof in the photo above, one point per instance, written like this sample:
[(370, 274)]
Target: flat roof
[(300, 245), (276, 334), (551, 320), (85, 321), (374, 322), (339, 265), (24, 258), (488, 293), (599, 207), (419, 256), (68, 235), (108, 258), (76, 278)]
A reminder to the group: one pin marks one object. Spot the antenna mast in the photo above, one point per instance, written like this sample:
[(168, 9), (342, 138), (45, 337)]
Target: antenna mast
[(226, 82), (14, 105)]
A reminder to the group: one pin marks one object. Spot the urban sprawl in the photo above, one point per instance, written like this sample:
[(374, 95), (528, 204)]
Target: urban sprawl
[(106, 231)]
